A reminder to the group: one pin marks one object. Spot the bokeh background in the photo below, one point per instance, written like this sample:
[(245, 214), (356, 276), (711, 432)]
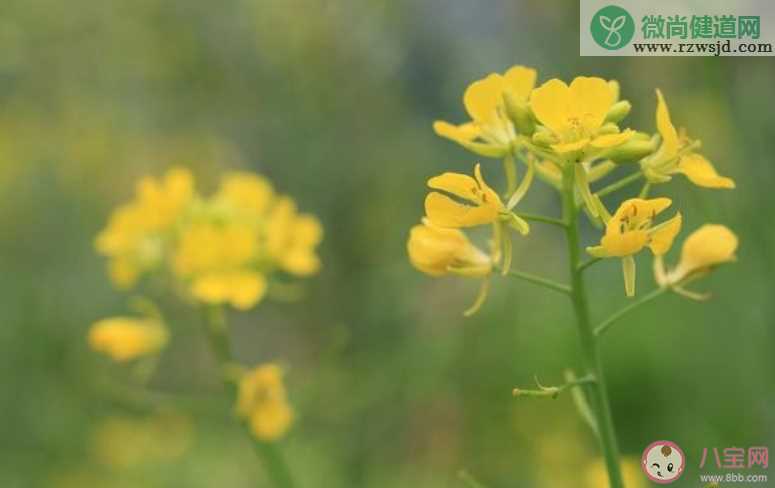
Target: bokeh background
[(334, 100)]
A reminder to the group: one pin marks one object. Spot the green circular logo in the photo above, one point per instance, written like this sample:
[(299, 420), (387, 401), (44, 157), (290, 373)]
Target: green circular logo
[(612, 27)]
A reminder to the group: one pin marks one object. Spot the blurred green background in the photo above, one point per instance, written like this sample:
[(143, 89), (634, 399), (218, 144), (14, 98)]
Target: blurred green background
[(333, 101)]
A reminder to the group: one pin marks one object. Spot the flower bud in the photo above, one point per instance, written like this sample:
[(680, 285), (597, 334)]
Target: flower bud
[(618, 111), (632, 150), (520, 114)]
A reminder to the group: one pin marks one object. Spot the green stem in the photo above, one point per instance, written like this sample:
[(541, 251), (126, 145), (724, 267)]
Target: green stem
[(644, 192), (552, 391), (619, 184), (541, 218), (540, 280), (591, 359), (604, 325), (589, 262), (218, 338), (510, 168)]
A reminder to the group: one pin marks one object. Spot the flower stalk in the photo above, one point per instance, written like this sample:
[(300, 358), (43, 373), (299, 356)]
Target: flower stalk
[(591, 359), (217, 332)]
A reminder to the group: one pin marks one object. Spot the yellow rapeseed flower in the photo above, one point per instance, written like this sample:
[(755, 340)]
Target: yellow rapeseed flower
[(574, 115), (291, 238), (490, 102), (219, 262), (135, 235), (677, 155), (709, 246), (262, 402), (222, 249), (127, 338), (485, 204), (438, 251), (631, 229)]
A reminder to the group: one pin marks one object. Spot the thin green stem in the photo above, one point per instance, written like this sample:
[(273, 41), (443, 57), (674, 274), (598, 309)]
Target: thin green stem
[(591, 359), (552, 391), (604, 325), (644, 192), (618, 185), (589, 262), (542, 218), (540, 280), (510, 168), (218, 337)]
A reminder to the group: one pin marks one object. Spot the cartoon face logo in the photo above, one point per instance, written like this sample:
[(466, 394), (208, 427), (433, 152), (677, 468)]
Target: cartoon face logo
[(663, 462)]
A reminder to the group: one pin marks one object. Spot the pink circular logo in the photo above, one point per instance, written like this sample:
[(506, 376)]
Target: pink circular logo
[(663, 462)]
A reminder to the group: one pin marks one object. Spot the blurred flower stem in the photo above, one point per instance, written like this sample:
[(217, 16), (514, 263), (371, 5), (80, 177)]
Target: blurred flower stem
[(589, 346), (218, 337)]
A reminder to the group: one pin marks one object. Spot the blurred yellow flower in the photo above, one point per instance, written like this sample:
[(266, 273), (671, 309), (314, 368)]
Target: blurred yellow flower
[(122, 442), (223, 249), (574, 115), (707, 247), (676, 155), (126, 338), (631, 229), (135, 234), (245, 193), (596, 475), (291, 238), (490, 102), (262, 402), (218, 262), (443, 211)]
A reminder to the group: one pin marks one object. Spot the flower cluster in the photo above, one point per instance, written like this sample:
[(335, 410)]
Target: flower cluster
[(565, 134), (221, 250)]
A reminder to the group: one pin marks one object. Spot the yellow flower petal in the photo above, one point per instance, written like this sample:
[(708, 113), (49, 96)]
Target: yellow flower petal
[(247, 192), (519, 81), (708, 246), (702, 173), (459, 133), (126, 338), (457, 184), (624, 244), (442, 211), (589, 101), (663, 237), (272, 421), (246, 289), (665, 127), (627, 232), (610, 140), (262, 401), (435, 250), (638, 208), (550, 104), (482, 98), (242, 289)]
